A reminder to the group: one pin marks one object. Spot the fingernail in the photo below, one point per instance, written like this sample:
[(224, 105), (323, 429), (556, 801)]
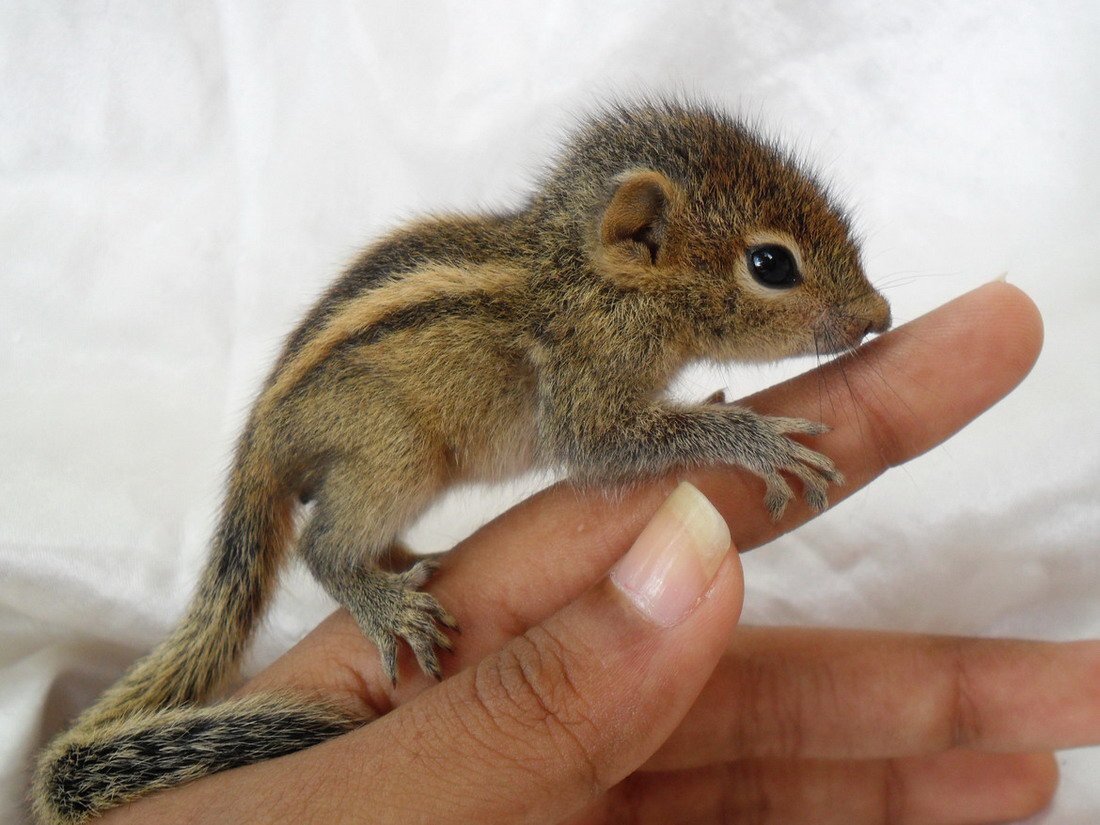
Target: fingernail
[(671, 564)]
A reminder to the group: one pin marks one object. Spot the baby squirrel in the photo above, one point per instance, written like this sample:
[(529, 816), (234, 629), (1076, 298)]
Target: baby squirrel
[(461, 348)]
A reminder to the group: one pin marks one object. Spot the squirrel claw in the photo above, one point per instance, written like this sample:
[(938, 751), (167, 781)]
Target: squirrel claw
[(400, 611), (785, 455)]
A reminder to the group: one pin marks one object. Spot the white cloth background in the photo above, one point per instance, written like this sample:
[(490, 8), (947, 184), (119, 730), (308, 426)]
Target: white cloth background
[(179, 179)]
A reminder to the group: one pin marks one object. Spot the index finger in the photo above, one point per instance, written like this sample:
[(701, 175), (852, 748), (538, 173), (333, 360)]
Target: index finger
[(943, 370)]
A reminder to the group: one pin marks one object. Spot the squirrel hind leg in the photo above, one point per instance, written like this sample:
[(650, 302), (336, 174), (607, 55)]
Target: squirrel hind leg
[(349, 532)]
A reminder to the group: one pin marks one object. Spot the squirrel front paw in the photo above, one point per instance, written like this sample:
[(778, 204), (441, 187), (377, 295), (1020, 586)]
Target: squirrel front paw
[(767, 450)]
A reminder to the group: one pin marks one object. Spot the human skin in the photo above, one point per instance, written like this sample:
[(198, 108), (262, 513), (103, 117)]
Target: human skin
[(569, 699)]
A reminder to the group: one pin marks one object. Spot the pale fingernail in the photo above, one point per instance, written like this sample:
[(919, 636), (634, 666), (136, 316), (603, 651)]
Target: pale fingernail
[(671, 564)]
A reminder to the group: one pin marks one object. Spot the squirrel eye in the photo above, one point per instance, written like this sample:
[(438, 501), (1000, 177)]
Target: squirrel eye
[(773, 265)]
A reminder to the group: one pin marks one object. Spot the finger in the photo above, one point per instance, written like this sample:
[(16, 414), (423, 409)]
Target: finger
[(540, 728), (957, 787), (843, 694), (538, 556)]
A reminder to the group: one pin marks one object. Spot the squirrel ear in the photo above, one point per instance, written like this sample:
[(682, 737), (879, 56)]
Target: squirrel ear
[(636, 218)]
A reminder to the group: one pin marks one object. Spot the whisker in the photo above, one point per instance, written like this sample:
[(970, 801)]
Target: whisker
[(820, 375), (912, 276), (831, 346)]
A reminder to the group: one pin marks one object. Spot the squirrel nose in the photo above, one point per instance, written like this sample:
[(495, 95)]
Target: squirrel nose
[(879, 319)]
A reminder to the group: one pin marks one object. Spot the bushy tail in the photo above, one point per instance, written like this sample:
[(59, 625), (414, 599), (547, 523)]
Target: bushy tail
[(92, 770), (90, 759)]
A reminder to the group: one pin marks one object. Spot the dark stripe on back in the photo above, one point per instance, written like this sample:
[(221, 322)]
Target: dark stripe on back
[(447, 242), (414, 316), (426, 313)]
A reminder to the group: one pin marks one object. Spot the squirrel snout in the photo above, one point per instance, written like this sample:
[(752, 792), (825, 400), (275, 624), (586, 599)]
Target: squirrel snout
[(878, 316), (842, 329), (879, 324), (873, 316), (877, 320)]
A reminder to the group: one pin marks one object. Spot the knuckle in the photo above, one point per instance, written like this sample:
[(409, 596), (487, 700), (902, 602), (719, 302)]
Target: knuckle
[(528, 689), (965, 725), (746, 799), (772, 724), (627, 805), (893, 793)]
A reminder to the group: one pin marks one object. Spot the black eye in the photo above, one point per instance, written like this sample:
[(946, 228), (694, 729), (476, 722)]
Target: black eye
[(773, 265)]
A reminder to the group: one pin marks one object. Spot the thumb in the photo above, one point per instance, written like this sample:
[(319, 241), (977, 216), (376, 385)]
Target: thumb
[(570, 708)]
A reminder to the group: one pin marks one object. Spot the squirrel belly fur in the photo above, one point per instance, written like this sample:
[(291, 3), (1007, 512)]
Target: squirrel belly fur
[(477, 347)]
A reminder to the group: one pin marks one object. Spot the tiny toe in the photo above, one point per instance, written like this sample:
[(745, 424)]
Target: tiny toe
[(828, 471), (716, 397), (442, 641), (819, 462), (388, 651), (430, 605), (432, 668), (816, 499), (427, 659), (776, 507), (800, 425), (777, 495), (419, 574), (443, 617), (814, 486)]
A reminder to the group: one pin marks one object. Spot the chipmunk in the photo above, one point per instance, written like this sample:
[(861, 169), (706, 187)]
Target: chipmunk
[(462, 348)]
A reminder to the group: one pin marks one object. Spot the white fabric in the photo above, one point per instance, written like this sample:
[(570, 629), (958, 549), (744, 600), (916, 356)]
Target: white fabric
[(179, 179)]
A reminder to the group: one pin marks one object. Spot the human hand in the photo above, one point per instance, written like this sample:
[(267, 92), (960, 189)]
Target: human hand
[(570, 703)]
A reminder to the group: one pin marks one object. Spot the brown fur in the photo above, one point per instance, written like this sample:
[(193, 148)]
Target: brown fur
[(463, 348)]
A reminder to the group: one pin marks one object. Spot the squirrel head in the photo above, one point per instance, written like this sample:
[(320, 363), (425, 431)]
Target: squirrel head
[(734, 235)]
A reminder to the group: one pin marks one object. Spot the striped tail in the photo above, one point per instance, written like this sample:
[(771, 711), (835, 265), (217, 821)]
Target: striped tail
[(190, 665)]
